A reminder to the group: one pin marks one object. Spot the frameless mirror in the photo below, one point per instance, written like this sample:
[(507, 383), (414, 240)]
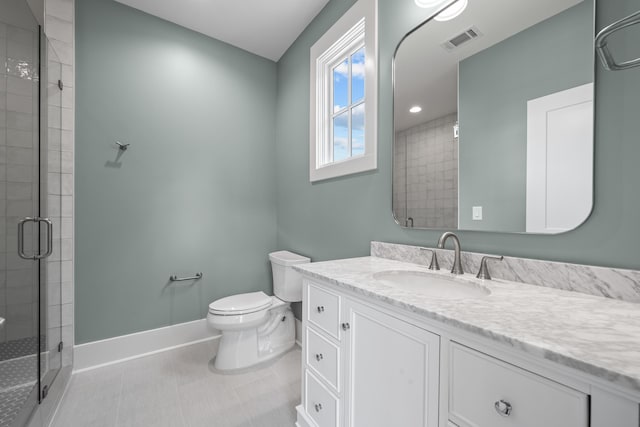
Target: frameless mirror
[(493, 118)]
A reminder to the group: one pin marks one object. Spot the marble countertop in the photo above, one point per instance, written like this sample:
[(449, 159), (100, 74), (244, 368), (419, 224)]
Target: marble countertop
[(595, 335)]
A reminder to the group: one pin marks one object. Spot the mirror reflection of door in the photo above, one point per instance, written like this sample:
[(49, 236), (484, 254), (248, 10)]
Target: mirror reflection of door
[(461, 97), (559, 160)]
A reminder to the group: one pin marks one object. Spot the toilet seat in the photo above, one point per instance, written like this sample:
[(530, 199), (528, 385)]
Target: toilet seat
[(235, 305)]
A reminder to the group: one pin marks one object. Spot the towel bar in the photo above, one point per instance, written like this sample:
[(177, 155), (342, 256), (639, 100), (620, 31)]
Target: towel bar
[(175, 278)]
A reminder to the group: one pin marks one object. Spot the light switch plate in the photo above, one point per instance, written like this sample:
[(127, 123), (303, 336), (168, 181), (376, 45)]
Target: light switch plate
[(477, 213)]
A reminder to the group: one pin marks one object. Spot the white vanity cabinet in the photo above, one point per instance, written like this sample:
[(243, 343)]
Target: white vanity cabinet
[(363, 367), (370, 364)]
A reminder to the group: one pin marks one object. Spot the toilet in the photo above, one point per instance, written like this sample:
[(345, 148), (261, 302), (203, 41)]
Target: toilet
[(256, 327)]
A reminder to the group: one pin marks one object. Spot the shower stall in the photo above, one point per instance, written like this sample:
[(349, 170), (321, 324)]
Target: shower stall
[(31, 213)]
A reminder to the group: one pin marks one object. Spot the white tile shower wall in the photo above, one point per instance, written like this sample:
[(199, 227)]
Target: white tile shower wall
[(60, 30), (425, 177)]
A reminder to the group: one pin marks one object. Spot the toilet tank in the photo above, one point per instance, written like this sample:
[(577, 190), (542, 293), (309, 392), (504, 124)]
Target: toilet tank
[(287, 283)]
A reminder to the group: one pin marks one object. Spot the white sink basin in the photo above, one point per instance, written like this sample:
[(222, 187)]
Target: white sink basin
[(432, 285)]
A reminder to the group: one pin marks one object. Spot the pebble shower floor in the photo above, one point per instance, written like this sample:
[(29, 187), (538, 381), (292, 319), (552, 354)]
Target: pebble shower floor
[(18, 373)]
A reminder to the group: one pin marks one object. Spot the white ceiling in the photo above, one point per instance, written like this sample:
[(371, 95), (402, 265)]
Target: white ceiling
[(266, 28), (427, 74)]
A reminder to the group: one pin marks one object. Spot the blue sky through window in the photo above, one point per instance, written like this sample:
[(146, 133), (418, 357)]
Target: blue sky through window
[(341, 137), (341, 86), (357, 76), (348, 135), (357, 130)]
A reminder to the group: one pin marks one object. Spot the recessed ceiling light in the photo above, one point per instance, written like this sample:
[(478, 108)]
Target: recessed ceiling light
[(415, 109), (428, 3), (452, 11)]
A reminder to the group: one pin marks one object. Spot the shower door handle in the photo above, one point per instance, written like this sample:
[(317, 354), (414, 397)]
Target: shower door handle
[(38, 220), (21, 224), (49, 226)]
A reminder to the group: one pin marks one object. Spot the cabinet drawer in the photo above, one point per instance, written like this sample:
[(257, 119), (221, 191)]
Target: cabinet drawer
[(484, 389), (323, 357), (321, 405), (323, 310)]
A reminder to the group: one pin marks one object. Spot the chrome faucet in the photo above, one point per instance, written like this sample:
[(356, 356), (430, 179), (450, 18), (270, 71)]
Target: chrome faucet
[(483, 272), (434, 259), (457, 263)]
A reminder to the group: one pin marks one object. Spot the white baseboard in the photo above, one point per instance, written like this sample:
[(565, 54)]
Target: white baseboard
[(298, 332), (118, 349)]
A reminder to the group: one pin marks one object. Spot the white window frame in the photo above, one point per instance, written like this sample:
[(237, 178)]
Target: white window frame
[(356, 27)]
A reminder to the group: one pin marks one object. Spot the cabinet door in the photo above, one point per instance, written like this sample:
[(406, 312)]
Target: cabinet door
[(391, 370)]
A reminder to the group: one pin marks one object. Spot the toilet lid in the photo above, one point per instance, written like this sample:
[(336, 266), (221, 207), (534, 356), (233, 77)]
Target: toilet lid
[(240, 304)]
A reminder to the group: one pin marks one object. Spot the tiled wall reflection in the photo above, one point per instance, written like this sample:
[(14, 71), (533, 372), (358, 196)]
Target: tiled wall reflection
[(425, 174)]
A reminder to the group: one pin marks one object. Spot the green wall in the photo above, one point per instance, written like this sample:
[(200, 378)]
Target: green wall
[(494, 87), (339, 218), (196, 189), (216, 177)]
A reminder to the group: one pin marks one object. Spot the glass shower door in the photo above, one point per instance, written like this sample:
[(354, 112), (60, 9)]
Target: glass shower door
[(32, 188), (52, 191), (20, 337)]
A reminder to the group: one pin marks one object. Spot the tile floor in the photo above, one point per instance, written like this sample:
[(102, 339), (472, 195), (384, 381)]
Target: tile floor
[(178, 388)]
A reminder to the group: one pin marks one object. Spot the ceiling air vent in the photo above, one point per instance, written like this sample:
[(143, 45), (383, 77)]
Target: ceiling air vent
[(462, 38)]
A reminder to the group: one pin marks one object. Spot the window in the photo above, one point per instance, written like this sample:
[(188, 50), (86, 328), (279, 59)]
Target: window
[(344, 95), (347, 137)]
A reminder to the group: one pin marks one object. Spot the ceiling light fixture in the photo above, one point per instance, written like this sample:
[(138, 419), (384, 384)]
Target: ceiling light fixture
[(428, 3), (415, 109), (452, 11)]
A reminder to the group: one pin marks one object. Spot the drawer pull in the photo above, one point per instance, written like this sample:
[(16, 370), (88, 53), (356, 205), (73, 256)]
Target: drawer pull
[(345, 326), (318, 407), (319, 357), (503, 408), (320, 308)]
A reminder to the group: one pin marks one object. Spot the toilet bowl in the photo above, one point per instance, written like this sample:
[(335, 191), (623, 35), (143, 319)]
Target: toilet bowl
[(256, 327)]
